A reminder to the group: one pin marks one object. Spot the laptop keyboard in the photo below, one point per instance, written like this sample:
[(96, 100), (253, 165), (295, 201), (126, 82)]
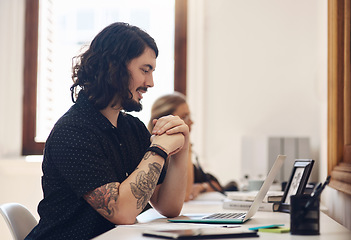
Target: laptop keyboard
[(225, 216)]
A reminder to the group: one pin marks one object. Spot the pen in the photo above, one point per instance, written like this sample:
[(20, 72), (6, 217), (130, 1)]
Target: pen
[(317, 193), (316, 188), (230, 226)]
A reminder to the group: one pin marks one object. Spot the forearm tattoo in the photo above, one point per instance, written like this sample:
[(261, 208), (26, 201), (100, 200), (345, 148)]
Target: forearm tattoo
[(145, 184), (148, 154), (104, 199)]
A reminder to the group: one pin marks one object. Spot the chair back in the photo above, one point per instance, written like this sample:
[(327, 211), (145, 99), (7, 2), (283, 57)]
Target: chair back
[(19, 219)]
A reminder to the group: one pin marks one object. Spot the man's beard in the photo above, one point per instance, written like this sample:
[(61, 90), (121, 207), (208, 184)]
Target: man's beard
[(130, 105)]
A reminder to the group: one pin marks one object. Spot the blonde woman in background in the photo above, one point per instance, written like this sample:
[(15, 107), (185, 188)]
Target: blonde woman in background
[(175, 104)]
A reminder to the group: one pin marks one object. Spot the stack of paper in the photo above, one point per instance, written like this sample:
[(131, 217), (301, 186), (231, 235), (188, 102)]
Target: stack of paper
[(243, 200), (271, 196)]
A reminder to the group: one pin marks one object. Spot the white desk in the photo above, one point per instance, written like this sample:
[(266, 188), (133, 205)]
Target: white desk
[(329, 229)]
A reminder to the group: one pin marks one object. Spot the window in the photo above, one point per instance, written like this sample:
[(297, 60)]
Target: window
[(339, 96), (73, 27)]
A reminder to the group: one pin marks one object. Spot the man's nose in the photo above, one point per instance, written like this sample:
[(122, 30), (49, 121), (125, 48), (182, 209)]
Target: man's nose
[(150, 80)]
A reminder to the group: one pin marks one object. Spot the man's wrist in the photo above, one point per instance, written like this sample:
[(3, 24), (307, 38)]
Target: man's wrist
[(158, 150)]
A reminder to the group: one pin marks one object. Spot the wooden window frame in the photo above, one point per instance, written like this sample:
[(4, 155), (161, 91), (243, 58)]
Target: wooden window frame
[(29, 145), (339, 95)]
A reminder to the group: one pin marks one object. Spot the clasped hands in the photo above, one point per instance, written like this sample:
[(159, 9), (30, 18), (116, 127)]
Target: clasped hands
[(171, 133)]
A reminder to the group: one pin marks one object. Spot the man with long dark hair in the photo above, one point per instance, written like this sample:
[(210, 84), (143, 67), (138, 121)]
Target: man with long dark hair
[(101, 165)]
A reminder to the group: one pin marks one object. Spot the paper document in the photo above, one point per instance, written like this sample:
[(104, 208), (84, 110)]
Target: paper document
[(250, 196)]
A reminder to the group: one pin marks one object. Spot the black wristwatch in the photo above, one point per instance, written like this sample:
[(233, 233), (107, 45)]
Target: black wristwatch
[(159, 151)]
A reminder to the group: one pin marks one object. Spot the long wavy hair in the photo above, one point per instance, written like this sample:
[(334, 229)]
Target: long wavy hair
[(165, 105), (101, 71)]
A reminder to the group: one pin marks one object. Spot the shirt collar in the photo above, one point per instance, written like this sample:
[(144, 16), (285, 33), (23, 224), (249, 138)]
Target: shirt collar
[(94, 115)]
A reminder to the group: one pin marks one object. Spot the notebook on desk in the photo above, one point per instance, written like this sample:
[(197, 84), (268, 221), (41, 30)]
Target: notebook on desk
[(238, 217)]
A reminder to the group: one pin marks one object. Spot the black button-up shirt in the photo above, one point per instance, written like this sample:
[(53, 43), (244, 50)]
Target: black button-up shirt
[(83, 152)]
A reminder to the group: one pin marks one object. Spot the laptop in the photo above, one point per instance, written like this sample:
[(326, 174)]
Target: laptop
[(237, 217)]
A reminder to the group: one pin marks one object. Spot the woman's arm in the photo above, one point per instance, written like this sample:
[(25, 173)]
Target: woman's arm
[(190, 181)]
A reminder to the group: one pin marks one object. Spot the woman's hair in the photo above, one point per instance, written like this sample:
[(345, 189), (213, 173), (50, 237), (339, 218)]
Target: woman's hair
[(101, 72), (165, 105)]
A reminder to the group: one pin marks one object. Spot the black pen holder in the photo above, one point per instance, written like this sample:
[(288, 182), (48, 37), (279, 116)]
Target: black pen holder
[(304, 221)]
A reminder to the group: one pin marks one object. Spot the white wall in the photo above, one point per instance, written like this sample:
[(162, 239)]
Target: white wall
[(256, 69), (19, 180), (11, 75)]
